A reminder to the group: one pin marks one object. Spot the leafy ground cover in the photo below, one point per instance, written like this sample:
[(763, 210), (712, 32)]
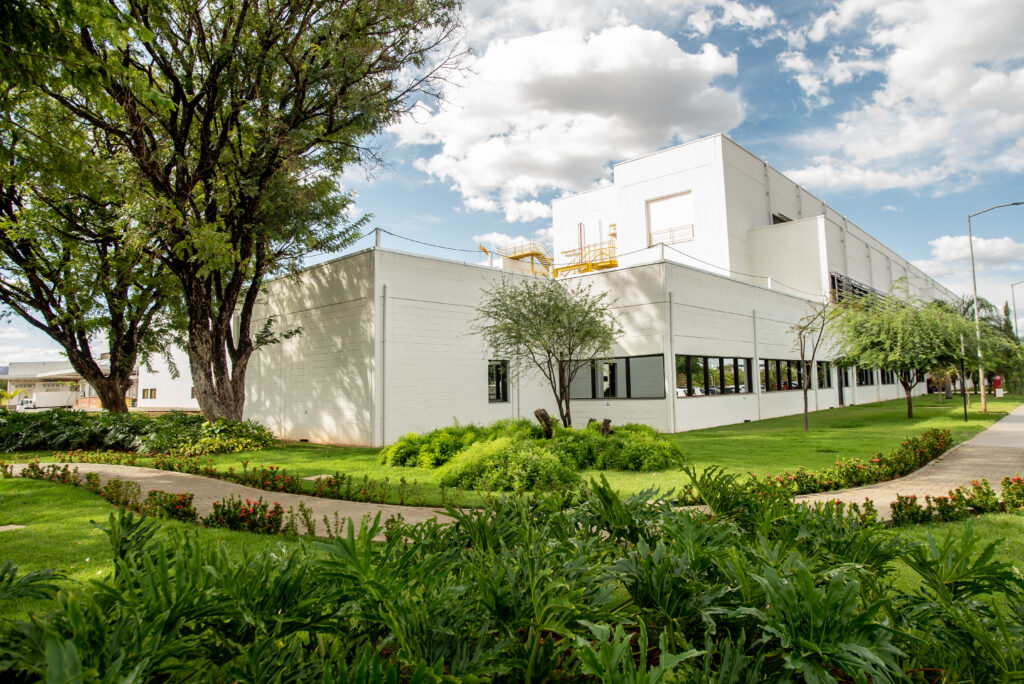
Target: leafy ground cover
[(536, 589)]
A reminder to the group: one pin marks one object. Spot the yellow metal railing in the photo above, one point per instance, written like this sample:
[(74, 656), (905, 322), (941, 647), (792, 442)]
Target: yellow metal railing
[(593, 257), (535, 252)]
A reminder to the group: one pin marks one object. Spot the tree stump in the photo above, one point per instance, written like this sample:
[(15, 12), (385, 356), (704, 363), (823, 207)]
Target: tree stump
[(545, 420), (606, 427)]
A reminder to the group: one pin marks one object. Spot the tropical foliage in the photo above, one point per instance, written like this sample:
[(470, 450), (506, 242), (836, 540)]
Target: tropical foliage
[(589, 587), (173, 433)]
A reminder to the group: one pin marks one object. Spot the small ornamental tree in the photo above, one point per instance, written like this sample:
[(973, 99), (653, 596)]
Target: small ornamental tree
[(810, 332), (902, 335), (549, 327)]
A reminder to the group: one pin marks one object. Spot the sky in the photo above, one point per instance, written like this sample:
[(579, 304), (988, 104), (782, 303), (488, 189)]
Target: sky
[(903, 115)]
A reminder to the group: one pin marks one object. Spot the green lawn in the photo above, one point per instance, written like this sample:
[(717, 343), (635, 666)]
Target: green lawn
[(775, 445), (58, 533)]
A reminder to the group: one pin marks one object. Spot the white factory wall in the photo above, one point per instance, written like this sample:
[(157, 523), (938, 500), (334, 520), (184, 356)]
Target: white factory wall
[(171, 392), (318, 384), (432, 368)]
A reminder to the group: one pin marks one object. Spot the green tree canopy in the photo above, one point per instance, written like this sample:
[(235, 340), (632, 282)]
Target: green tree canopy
[(906, 336), (237, 117), (548, 327)]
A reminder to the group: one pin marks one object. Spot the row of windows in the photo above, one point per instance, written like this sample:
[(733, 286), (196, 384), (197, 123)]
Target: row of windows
[(149, 393), (701, 376), (625, 377), (641, 377)]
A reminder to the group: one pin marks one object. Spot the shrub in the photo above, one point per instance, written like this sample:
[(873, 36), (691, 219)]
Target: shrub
[(906, 510), (122, 493), (980, 497), (1013, 493), (270, 478), (506, 465), (252, 516), (167, 505), (947, 508)]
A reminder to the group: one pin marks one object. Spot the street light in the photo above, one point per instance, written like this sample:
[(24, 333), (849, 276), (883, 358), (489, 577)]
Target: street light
[(974, 285), (1013, 300)]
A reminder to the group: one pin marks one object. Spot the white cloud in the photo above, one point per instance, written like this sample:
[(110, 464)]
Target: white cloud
[(489, 19), (13, 334), (950, 106), (893, 208), (503, 241), (547, 112), (949, 252)]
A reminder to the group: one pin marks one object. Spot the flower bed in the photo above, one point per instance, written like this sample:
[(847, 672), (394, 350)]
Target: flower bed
[(959, 503)]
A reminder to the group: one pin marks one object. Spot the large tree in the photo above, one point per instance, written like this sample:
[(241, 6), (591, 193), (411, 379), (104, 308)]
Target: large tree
[(73, 262), (548, 327), (236, 115), (893, 333)]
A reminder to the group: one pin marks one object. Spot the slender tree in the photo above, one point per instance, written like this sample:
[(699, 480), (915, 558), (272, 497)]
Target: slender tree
[(237, 115), (810, 333), (548, 327)]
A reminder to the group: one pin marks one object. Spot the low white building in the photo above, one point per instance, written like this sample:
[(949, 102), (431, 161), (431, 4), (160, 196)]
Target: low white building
[(49, 384), (709, 254), (160, 389)]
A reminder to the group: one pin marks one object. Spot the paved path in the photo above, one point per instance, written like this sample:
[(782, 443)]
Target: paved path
[(991, 454), (207, 490)]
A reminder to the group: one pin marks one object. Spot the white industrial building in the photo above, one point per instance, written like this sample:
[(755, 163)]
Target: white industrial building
[(709, 254)]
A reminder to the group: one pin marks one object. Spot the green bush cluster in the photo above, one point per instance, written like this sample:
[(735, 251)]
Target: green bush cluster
[(504, 464), (235, 513), (587, 587), (522, 444), (177, 433)]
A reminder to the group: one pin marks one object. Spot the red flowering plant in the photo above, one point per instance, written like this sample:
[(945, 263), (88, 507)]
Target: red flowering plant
[(907, 510), (1013, 493), (244, 514), (168, 505)]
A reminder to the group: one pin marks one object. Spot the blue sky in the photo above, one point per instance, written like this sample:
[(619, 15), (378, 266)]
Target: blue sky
[(904, 115)]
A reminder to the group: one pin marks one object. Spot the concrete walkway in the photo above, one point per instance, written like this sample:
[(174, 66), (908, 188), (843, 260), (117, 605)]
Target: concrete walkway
[(991, 454), (206, 490)]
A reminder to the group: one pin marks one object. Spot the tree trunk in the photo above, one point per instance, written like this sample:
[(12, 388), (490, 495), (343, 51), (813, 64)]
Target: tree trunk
[(910, 403), (111, 394), (545, 420), (806, 422), (606, 427)]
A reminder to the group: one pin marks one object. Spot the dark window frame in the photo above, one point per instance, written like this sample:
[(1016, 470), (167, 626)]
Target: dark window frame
[(866, 377), (689, 389), (824, 373), (593, 373), (497, 381)]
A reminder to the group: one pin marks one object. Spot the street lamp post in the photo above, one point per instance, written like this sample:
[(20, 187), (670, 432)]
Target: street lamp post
[(974, 286), (1013, 302)]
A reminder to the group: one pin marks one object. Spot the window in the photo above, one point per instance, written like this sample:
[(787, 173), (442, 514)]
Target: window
[(497, 381), (670, 219), (865, 376), (780, 375), (625, 377), (149, 393), (888, 377), (701, 376), (824, 375)]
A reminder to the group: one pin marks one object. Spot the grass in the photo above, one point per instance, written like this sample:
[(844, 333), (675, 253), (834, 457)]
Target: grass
[(768, 446), (59, 534)]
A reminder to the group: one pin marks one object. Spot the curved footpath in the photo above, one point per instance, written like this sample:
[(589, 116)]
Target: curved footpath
[(206, 490), (992, 454)]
